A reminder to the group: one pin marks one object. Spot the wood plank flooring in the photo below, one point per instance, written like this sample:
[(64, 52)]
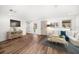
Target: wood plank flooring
[(29, 44)]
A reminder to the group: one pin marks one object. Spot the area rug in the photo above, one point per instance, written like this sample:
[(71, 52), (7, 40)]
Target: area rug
[(70, 49)]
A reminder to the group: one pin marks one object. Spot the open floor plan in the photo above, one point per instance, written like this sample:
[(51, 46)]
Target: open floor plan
[(39, 29)]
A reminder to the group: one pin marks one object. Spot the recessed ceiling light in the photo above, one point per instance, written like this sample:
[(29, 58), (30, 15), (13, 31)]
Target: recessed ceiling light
[(11, 10), (55, 6)]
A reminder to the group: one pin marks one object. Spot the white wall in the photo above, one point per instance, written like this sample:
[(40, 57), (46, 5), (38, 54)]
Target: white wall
[(5, 17), (23, 27), (4, 26), (77, 23), (15, 16), (27, 27)]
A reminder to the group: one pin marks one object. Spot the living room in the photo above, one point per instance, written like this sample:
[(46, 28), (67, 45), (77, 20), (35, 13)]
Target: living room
[(49, 29)]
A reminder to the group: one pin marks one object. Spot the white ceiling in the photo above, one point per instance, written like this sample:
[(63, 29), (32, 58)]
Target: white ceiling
[(41, 11)]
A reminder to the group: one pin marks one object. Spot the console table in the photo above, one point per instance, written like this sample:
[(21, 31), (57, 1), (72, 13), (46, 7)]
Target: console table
[(13, 35)]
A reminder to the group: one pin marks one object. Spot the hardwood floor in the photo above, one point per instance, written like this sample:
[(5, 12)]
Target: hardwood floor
[(29, 44)]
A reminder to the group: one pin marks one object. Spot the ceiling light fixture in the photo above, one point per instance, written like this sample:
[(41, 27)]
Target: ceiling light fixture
[(11, 10)]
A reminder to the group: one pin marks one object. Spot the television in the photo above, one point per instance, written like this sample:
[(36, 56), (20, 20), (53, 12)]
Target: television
[(15, 23)]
